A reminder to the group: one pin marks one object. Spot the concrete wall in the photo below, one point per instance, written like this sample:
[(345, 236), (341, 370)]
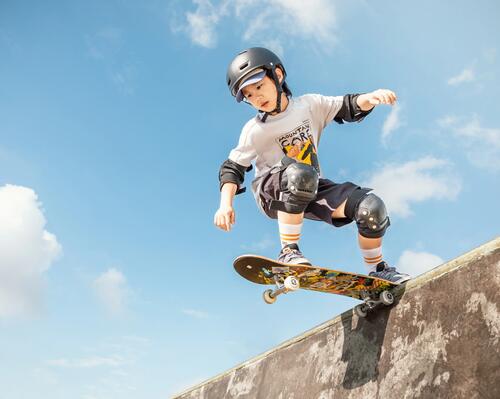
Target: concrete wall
[(440, 340)]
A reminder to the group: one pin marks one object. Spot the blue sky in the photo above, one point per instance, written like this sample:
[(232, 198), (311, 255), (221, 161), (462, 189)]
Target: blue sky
[(115, 117)]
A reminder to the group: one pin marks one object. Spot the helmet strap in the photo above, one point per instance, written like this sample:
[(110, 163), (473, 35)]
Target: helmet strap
[(279, 90)]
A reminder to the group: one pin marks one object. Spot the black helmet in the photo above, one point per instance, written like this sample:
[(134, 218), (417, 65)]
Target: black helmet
[(248, 61)]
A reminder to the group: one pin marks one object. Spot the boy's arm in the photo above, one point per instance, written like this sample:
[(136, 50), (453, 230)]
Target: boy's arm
[(350, 111), (227, 193), (225, 217), (231, 177), (232, 172), (367, 101), (355, 107)]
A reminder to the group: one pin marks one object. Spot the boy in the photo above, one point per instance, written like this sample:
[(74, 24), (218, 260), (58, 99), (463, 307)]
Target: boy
[(282, 140)]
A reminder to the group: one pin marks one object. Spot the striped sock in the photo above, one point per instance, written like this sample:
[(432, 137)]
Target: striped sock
[(372, 257), (289, 233)]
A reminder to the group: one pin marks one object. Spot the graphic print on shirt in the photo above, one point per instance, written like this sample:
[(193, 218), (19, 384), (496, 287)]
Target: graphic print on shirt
[(299, 145)]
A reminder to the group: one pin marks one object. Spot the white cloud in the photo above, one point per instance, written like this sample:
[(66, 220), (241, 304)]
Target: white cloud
[(203, 22), (416, 263), (112, 290), (448, 121), (105, 369), (415, 181), (481, 144), (309, 18), (27, 251), (391, 123), (314, 19), (198, 314), (275, 45), (474, 131), (89, 362), (261, 20), (467, 75)]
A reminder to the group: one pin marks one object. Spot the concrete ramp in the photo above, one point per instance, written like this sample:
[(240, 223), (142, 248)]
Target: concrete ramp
[(440, 340)]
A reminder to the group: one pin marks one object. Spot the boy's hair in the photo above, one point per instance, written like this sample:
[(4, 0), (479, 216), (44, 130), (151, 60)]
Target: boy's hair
[(287, 90)]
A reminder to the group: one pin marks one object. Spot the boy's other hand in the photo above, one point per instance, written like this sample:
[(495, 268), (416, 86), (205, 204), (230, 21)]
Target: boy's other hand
[(382, 96), (225, 217)]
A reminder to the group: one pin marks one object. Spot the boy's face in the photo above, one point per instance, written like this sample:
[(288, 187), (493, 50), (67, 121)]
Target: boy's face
[(262, 95)]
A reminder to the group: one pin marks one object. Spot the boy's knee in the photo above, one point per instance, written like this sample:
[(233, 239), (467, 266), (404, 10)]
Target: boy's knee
[(299, 186), (369, 212)]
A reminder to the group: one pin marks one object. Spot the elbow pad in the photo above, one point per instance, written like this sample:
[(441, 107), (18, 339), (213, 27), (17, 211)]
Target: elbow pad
[(350, 111), (232, 172)]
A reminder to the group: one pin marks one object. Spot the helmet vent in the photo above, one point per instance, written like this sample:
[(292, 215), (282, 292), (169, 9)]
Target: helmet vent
[(243, 66)]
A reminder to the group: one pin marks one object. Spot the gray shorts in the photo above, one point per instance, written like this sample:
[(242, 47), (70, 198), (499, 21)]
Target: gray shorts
[(330, 196)]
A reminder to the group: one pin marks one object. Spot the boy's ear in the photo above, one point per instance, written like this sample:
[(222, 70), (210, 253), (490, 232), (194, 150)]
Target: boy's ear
[(279, 74)]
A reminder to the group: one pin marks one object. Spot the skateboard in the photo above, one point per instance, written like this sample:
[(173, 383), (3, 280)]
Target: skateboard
[(287, 278)]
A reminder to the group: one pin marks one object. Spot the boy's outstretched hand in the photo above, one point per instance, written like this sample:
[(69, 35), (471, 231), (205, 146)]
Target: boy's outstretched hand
[(225, 217), (381, 96)]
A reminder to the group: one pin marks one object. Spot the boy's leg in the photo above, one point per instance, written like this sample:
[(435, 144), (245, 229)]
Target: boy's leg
[(371, 247), (270, 190), (340, 204), (290, 227), (298, 185)]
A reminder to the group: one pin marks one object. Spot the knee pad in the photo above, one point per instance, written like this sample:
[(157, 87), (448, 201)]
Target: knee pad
[(369, 212), (299, 186)]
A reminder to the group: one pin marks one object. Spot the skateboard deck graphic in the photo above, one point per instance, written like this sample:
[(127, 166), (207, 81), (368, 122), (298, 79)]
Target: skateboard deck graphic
[(262, 270)]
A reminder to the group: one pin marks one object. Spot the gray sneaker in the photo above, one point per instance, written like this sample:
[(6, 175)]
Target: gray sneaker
[(291, 254), (390, 273)]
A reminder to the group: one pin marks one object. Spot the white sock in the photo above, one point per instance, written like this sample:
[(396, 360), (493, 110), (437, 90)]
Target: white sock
[(372, 257), (289, 233)]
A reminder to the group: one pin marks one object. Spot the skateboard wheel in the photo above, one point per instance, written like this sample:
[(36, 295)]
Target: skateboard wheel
[(361, 310), (387, 298), (291, 283), (268, 298)]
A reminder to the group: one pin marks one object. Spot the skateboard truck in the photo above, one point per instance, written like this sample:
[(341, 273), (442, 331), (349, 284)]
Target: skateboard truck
[(370, 301), (291, 283)]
